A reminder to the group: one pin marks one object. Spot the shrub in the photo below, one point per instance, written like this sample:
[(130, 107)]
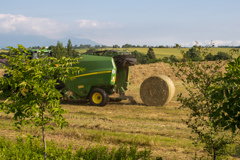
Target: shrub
[(194, 54), (32, 148), (173, 58), (218, 56), (151, 54), (141, 58), (209, 57), (91, 50), (209, 115), (222, 56)]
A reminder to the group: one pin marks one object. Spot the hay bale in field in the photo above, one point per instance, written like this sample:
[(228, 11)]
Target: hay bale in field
[(2, 72), (157, 90)]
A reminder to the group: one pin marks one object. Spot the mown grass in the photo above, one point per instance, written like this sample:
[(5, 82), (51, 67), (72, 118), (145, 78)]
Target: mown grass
[(160, 129), (1, 50)]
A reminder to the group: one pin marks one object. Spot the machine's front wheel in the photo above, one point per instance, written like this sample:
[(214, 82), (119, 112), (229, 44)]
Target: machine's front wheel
[(98, 97)]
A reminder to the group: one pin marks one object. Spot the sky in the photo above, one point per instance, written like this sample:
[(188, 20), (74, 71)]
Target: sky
[(136, 22)]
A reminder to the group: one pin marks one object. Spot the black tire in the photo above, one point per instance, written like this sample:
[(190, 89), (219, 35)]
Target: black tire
[(98, 97)]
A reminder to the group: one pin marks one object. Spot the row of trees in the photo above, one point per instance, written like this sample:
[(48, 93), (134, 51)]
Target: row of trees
[(60, 51), (81, 46), (193, 53), (117, 46)]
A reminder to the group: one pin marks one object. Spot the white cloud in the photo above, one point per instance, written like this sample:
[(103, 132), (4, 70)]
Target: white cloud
[(108, 33), (20, 24), (31, 25), (186, 44), (93, 24), (212, 42), (222, 43)]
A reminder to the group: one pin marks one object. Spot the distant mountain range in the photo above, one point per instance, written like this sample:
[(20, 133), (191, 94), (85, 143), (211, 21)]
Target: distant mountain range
[(30, 41)]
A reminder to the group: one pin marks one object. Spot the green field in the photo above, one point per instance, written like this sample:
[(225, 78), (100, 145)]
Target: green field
[(161, 52), (3, 50)]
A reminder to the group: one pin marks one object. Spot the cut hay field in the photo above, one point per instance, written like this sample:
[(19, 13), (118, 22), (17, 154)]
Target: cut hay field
[(161, 52), (1, 50), (158, 128)]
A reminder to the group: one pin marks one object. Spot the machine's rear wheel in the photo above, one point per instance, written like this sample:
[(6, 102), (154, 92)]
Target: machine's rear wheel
[(98, 97)]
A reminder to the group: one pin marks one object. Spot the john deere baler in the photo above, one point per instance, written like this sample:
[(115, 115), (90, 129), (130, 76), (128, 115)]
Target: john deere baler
[(103, 76)]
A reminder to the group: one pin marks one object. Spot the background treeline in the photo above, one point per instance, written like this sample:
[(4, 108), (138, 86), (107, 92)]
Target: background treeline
[(87, 46), (58, 51), (70, 51), (192, 54)]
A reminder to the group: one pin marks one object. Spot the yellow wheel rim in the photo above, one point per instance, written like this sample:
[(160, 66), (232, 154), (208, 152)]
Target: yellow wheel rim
[(97, 98)]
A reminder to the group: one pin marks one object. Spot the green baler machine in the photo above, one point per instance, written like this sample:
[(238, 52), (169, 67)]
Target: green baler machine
[(106, 73)]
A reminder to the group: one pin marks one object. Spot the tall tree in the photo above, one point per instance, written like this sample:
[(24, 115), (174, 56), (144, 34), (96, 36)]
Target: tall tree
[(59, 51), (151, 54), (116, 46), (69, 49), (194, 54)]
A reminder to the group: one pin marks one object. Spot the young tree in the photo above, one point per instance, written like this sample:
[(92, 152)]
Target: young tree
[(173, 58), (222, 56), (200, 80), (227, 112), (116, 46), (30, 90), (194, 54), (126, 46), (59, 51), (151, 54), (209, 57), (69, 49), (141, 58)]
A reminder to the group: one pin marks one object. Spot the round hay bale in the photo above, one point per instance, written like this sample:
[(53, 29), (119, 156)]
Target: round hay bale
[(2, 72), (157, 90)]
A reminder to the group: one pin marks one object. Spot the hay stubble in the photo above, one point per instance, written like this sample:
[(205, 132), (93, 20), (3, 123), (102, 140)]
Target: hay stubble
[(160, 128)]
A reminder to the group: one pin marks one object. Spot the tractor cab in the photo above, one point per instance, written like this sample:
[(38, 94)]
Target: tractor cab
[(36, 53)]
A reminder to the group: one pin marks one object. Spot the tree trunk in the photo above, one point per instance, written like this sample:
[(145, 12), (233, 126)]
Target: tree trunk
[(214, 154), (44, 141)]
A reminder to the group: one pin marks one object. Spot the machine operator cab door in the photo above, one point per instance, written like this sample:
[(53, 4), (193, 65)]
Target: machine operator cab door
[(36, 53)]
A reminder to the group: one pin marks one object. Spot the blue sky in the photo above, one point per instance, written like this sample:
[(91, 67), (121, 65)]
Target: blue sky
[(137, 22)]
